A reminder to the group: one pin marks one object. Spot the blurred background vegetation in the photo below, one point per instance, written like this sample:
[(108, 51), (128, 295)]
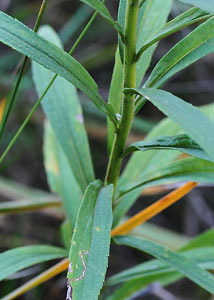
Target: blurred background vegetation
[(24, 164)]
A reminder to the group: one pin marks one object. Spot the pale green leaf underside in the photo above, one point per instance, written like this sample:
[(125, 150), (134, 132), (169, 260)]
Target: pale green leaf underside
[(189, 118), (17, 259), (182, 264), (91, 234), (60, 176), (62, 108), (16, 35), (181, 142), (206, 5)]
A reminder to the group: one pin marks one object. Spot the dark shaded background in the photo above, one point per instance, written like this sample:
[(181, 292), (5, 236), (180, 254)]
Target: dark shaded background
[(24, 164)]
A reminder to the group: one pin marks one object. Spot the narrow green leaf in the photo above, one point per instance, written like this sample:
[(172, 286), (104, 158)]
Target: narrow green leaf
[(17, 259), (182, 264), (20, 206), (181, 142), (191, 48), (152, 16), (189, 17), (142, 163), (203, 257), (60, 176), (90, 243), (206, 5), (104, 12), (190, 169), (189, 118), (149, 272), (16, 35), (62, 108), (115, 96)]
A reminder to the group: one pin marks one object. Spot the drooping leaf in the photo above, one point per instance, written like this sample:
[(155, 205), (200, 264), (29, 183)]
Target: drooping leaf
[(17, 259), (190, 169), (142, 163), (181, 142), (62, 108), (90, 243), (177, 261), (189, 118), (104, 12), (189, 17), (60, 176), (203, 257), (193, 47), (206, 5), (149, 272), (18, 36)]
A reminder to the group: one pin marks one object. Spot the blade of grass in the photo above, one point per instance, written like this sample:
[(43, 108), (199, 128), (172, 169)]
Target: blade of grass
[(2, 107), (11, 99), (154, 209), (18, 133)]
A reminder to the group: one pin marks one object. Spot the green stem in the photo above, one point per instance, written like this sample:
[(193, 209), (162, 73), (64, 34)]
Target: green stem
[(113, 169), (18, 133), (11, 98)]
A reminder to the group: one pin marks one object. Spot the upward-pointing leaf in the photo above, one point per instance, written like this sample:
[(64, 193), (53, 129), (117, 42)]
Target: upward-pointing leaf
[(16, 35), (194, 46), (187, 18), (206, 5), (62, 108), (104, 12), (189, 118), (180, 263), (90, 243)]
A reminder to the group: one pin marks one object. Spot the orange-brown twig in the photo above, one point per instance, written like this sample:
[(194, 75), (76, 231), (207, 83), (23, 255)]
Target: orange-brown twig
[(153, 209)]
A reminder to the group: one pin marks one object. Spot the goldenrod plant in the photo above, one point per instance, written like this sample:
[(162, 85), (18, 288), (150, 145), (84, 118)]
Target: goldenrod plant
[(94, 207)]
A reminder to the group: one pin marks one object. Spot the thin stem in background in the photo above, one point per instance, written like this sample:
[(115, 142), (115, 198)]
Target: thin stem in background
[(18, 133), (11, 99)]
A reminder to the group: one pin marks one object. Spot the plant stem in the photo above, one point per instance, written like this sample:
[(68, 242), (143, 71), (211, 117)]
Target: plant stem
[(127, 115), (11, 98)]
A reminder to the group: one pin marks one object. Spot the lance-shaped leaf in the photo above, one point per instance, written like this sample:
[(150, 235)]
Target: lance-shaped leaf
[(191, 48), (177, 261), (206, 5), (190, 169), (18, 36), (189, 17), (62, 108), (17, 259), (189, 118), (104, 12), (142, 275), (203, 257), (60, 176), (181, 142), (90, 243), (142, 163)]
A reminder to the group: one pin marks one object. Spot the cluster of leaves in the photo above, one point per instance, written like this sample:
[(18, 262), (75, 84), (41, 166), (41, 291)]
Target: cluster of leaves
[(88, 202)]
